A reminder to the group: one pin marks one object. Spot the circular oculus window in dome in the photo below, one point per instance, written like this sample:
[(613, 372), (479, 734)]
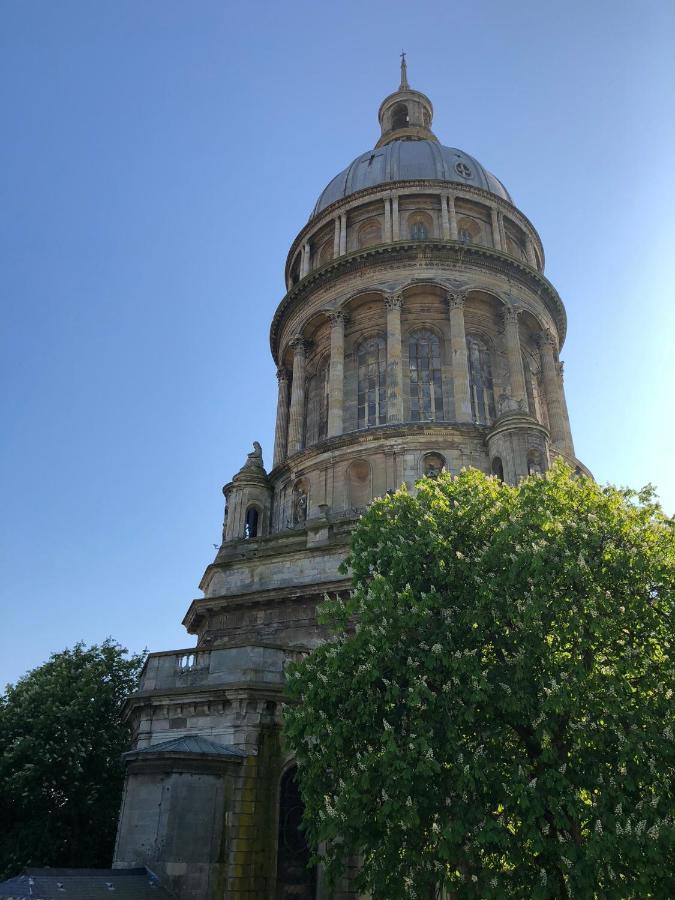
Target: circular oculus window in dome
[(463, 170)]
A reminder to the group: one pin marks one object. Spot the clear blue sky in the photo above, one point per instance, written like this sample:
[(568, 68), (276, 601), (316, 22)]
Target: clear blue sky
[(157, 160)]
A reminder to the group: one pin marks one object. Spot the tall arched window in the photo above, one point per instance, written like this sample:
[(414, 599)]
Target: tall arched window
[(418, 231), (251, 522), (372, 382), (497, 468), (316, 407), (399, 116), (294, 878), (480, 379), (426, 391)]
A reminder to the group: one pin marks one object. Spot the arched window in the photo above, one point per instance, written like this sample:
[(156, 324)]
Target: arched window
[(480, 380), (399, 116), (294, 878), (418, 231), (326, 252), (468, 230), (498, 468), (426, 392), (251, 522), (372, 382), (316, 407), (370, 233), (358, 483)]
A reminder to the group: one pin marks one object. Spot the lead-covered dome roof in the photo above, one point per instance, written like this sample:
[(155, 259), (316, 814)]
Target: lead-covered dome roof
[(409, 160)]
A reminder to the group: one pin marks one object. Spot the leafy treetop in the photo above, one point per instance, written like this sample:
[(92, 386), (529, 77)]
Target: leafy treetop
[(498, 723), (61, 739)]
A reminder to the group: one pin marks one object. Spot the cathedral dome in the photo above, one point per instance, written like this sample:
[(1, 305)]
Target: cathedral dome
[(409, 160)]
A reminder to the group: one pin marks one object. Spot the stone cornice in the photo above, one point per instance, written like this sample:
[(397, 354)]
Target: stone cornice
[(208, 605), (344, 204), (451, 253), (400, 430)]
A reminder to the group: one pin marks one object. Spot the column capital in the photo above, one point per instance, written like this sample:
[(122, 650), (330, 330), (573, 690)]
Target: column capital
[(561, 370), (394, 301), (337, 317), (546, 338), (282, 374), (510, 315), (456, 299), (298, 344)]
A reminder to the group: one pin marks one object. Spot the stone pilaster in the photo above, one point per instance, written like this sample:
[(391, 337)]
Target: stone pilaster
[(445, 219), (394, 355), (460, 361), (297, 412), (452, 215), (530, 252), (514, 355), (395, 219), (336, 373), (281, 430), (343, 233), (553, 391), (336, 237), (496, 231), (305, 260), (566, 417), (387, 220), (502, 229)]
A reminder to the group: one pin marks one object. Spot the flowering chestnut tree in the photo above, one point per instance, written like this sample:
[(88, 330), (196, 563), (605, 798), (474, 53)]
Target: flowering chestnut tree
[(493, 715)]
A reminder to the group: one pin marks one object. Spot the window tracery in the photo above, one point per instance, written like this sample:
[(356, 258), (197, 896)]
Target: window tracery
[(372, 382), (426, 389), (480, 381), (316, 406)]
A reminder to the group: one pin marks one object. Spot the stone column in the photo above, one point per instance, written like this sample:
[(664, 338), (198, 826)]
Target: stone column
[(306, 260), (460, 359), (502, 229), (445, 220), (515, 357), (553, 391), (387, 220), (297, 412), (496, 233), (529, 252), (395, 221), (566, 416), (343, 233), (453, 217), (394, 393), (281, 430), (336, 238), (336, 373)]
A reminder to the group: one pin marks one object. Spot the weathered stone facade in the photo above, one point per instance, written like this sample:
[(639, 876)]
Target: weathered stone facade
[(418, 333)]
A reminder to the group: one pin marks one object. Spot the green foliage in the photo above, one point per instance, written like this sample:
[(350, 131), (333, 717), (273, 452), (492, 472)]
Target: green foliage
[(61, 738), (498, 723)]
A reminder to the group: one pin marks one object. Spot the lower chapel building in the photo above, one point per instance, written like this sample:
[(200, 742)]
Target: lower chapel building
[(418, 333)]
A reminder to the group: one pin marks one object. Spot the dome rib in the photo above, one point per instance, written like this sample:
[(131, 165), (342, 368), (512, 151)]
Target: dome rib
[(418, 160)]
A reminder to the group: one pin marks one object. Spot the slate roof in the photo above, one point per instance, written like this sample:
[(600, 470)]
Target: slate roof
[(413, 160), (190, 743), (84, 884)]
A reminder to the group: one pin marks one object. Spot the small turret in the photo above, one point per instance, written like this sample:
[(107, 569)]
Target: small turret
[(248, 500), (405, 115)]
